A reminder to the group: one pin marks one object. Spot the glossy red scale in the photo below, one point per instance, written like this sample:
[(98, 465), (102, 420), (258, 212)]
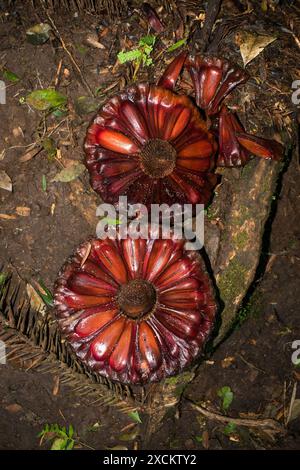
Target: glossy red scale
[(150, 317)]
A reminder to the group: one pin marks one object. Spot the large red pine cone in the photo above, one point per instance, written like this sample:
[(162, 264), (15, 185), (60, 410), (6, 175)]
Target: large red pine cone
[(135, 311)]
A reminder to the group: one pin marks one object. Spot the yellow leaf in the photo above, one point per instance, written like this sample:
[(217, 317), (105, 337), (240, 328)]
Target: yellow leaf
[(251, 45), (23, 211)]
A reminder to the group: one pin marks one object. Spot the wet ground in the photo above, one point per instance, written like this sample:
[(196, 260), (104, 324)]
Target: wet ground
[(254, 361)]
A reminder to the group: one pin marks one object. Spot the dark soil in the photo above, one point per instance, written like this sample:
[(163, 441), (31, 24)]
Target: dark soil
[(254, 361)]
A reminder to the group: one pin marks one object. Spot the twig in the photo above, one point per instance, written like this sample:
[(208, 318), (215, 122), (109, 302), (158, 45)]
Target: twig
[(250, 364), (267, 423), (293, 397), (58, 73), (57, 33)]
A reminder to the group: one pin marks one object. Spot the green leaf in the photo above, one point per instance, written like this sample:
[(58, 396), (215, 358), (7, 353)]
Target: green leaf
[(10, 76), (59, 444), (45, 99), (176, 45), (71, 431), (129, 56), (50, 147), (226, 396), (46, 297), (147, 61), (44, 183), (134, 415), (69, 174), (59, 113), (147, 41), (69, 444), (229, 429), (199, 439)]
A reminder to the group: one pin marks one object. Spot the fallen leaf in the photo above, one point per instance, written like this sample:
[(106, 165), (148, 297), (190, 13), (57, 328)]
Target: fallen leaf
[(134, 415), (2, 154), (92, 40), (59, 443), (44, 183), (8, 216), (30, 154), (45, 99), (205, 439), (229, 429), (177, 44), (297, 375), (69, 174), (251, 45), (49, 146), (227, 361), (10, 76), (18, 132), (295, 412), (226, 395), (5, 181), (23, 211), (38, 34), (13, 408), (35, 300)]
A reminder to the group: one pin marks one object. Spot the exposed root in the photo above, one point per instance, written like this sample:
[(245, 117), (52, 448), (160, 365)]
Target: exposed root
[(265, 424)]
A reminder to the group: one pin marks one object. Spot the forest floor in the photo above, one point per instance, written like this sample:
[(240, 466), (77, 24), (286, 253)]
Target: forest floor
[(42, 221)]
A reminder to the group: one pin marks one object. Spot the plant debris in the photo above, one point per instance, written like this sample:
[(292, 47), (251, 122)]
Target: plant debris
[(252, 44), (38, 34), (70, 173), (5, 181)]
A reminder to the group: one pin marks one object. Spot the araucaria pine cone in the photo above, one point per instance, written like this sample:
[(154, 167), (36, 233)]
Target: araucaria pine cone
[(135, 311), (152, 145)]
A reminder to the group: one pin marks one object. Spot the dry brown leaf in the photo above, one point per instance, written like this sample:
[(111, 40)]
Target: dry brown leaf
[(297, 375), (17, 132), (23, 211), (92, 40), (8, 216), (35, 300), (205, 439), (13, 408), (227, 361), (30, 154), (56, 386), (251, 45), (5, 181)]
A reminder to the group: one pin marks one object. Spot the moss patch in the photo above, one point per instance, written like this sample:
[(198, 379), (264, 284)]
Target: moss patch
[(241, 239), (231, 279)]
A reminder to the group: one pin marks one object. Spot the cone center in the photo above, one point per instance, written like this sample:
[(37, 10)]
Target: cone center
[(136, 298), (158, 158)]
